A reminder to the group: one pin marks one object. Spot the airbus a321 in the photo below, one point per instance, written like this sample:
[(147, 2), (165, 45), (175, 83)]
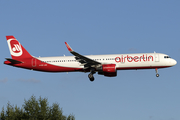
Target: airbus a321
[(106, 65)]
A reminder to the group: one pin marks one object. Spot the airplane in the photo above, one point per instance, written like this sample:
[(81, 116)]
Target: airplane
[(106, 65)]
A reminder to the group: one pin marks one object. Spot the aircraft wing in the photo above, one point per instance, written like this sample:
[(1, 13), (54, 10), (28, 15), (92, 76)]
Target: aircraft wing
[(82, 59)]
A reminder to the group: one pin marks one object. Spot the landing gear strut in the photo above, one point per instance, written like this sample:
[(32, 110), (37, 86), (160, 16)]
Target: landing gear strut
[(91, 77), (157, 75)]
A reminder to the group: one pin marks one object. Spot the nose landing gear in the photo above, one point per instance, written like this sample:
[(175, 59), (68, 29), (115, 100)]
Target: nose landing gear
[(157, 75)]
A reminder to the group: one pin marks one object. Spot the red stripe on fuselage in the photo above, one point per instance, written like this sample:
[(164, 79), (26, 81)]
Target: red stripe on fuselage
[(42, 66)]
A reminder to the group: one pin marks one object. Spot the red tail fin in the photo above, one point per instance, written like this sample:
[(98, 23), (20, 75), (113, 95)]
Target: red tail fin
[(16, 49)]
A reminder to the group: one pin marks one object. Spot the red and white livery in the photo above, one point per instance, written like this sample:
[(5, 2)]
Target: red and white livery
[(106, 65)]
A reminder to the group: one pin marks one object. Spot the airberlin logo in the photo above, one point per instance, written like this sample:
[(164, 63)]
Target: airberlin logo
[(129, 58), (15, 47)]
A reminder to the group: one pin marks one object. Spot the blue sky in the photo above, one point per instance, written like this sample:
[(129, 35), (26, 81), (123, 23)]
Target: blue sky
[(94, 27)]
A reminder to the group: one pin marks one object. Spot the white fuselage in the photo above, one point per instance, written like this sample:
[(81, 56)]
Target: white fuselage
[(122, 61)]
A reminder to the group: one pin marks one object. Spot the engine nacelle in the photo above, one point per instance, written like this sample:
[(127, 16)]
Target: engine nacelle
[(113, 74), (108, 70)]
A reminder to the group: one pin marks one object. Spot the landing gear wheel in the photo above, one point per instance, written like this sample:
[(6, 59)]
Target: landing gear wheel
[(91, 77), (157, 75)]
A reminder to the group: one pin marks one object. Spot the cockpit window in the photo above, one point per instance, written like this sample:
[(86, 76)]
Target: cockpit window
[(167, 57)]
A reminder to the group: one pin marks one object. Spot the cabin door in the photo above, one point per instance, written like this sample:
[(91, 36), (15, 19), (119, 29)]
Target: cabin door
[(156, 57), (33, 62)]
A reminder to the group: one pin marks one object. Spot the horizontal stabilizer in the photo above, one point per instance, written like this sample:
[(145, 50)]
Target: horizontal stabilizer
[(13, 61)]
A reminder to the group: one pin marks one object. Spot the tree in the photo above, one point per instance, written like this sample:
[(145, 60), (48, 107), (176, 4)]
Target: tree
[(2, 114), (71, 117), (9, 112), (34, 109), (56, 112)]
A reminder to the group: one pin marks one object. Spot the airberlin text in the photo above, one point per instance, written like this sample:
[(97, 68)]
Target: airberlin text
[(129, 58)]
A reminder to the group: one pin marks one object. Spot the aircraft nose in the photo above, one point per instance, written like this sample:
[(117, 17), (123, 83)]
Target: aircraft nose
[(174, 62)]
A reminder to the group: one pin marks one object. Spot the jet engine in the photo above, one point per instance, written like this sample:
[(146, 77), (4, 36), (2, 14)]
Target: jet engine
[(108, 70)]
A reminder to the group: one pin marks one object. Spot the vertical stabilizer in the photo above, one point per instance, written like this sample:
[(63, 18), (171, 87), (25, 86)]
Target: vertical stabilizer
[(17, 51)]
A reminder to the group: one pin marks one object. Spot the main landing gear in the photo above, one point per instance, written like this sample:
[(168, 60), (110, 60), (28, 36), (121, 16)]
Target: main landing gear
[(91, 77), (157, 75)]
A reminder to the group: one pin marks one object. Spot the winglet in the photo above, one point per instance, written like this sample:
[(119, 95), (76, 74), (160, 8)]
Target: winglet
[(68, 47)]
